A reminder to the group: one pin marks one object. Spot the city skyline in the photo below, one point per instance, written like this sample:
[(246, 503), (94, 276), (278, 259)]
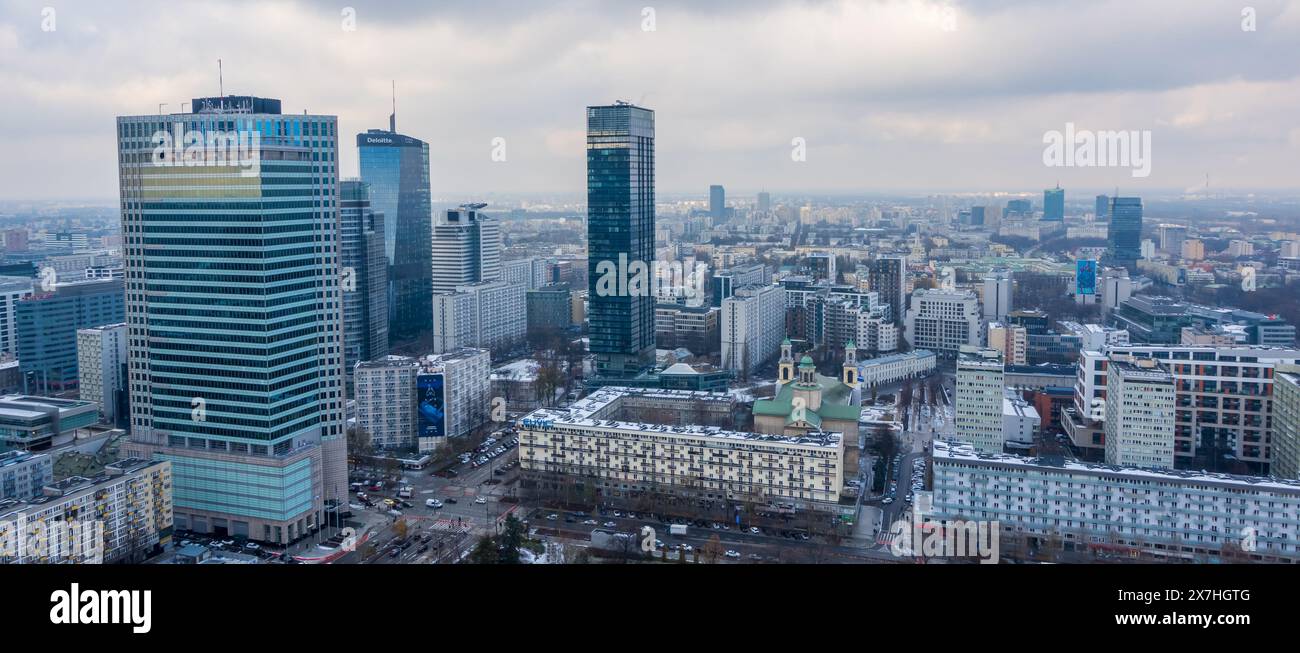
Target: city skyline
[(968, 114)]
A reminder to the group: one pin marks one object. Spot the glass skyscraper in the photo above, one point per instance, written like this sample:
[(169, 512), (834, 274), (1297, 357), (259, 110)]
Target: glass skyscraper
[(621, 234), (1124, 235), (233, 311), (397, 169), (1054, 205), (365, 277)]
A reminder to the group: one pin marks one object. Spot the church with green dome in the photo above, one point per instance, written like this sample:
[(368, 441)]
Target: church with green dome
[(808, 402)]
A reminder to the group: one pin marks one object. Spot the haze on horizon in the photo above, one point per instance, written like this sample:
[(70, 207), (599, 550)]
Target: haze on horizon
[(888, 95)]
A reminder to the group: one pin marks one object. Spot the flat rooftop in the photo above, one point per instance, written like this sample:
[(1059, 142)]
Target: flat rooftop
[(585, 411)]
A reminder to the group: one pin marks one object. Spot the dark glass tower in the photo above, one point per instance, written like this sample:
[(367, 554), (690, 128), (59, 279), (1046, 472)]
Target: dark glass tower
[(620, 233), (397, 169), (1054, 205), (1124, 235), (365, 277)]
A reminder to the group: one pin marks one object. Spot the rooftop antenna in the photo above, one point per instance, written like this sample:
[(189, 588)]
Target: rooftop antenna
[(392, 117), (221, 82), (160, 107)]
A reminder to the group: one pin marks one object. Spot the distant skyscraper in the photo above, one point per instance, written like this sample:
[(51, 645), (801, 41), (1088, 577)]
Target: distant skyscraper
[(718, 204), (365, 276), (1054, 205), (397, 169), (1103, 207), (234, 316), (764, 202), (978, 216), (1124, 236), (1018, 208), (620, 233), (466, 249)]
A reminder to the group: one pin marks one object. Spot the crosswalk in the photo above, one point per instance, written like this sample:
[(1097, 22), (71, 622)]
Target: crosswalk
[(449, 525)]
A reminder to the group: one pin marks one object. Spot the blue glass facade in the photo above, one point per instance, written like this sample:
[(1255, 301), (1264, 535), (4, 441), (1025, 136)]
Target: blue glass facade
[(365, 274), (620, 233), (47, 330), (1124, 235), (397, 169), (233, 310)]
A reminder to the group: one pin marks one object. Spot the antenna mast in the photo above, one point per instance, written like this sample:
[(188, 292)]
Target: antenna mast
[(392, 117), (221, 83)]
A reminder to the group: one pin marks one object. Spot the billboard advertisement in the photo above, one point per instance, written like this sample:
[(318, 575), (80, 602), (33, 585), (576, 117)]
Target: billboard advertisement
[(431, 404), (1085, 277)]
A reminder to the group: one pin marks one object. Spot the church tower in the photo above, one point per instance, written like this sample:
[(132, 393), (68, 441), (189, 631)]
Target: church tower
[(850, 374), (785, 370)]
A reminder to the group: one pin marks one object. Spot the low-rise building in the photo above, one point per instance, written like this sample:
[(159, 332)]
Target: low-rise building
[(23, 474), (896, 367), (38, 423)]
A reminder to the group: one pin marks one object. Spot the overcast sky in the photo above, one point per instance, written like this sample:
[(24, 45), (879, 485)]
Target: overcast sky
[(888, 96)]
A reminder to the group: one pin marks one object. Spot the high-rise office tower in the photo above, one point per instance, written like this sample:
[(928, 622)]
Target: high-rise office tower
[(1054, 204), (466, 249), (887, 276), (1172, 237), (365, 276), (234, 313), (620, 236), (718, 204), (1102, 211), (397, 169), (1124, 236), (1018, 209), (47, 324), (764, 202)]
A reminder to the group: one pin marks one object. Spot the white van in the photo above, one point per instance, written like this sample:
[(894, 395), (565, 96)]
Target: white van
[(433, 503)]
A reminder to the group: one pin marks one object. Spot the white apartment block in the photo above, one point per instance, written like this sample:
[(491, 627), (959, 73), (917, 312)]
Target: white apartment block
[(12, 289), (1286, 422), (875, 333), (943, 321), (1011, 341), (896, 367), (1223, 395), (385, 395), (977, 405), (1139, 415), (588, 440), (997, 295), (131, 502), (491, 315), (101, 368), (1020, 420), (467, 392), (752, 328), (1167, 513)]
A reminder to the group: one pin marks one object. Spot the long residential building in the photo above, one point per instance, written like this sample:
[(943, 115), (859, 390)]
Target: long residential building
[(603, 440), (1286, 421), (1223, 398), (896, 367), (1164, 513), (123, 515)]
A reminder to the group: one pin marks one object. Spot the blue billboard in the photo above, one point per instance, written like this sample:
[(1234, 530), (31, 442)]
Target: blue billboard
[(1085, 277), (431, 399)]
